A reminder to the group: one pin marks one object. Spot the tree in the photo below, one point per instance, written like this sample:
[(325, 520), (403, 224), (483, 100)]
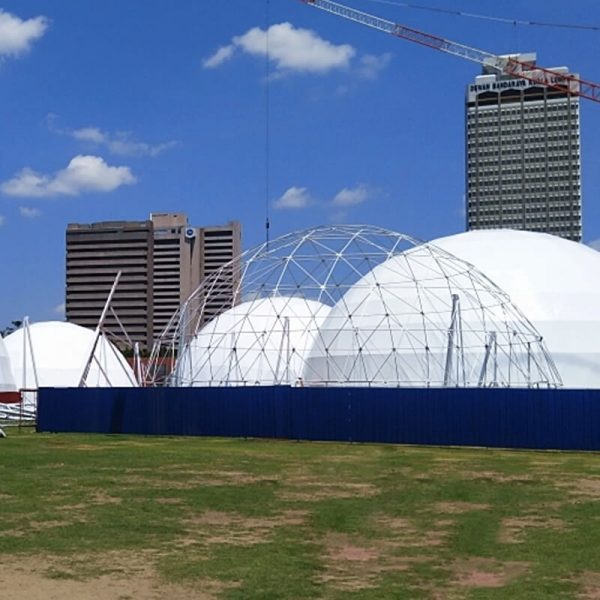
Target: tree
[(14, 325)]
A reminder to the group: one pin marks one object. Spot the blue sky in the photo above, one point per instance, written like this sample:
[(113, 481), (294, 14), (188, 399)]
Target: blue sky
[(111, 110)]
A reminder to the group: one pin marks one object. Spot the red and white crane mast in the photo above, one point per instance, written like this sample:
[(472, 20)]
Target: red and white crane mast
[(506, 65)]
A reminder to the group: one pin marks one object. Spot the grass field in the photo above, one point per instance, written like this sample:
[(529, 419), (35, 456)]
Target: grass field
[(132, 517)]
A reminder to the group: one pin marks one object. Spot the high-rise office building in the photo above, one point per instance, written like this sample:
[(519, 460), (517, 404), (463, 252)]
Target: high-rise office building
[(177, 263), (96, 252), (523, 155), (183, 257), (162, 260), (219, 245)]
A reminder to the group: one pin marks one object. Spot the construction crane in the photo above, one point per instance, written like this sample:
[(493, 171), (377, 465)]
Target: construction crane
[(507, 65)]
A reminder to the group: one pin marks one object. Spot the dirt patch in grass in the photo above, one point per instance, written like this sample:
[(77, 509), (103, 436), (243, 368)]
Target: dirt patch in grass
[(36, 527), (513, 529), (487, 572), (102, 497), (496, 476), (127, 577), (306, 489), (87, 447), (98, 498), (590, 585), (168, 500), (215, 527), (457, 508), (356, 564), (586, 487), (194, 479), (450, 460), (403, 533)]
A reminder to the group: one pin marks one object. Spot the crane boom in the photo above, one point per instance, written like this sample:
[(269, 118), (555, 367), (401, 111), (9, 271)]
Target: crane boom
[(507, 65)]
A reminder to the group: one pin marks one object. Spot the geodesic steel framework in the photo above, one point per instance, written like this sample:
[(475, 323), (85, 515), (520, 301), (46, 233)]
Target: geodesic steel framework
[(352, 305)]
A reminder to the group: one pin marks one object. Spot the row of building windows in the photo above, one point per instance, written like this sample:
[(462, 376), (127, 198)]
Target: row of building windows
[(555, 176), (530, 198), (529, 159), (515, 150), (519, 138), (528, 177), (516, 208), (511, 183), (525, 135), (526, 160), (549, 122), (508, 221), (529, 109), (505, 189)]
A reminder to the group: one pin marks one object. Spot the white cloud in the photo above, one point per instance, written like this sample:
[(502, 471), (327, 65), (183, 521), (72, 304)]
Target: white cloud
[(369, 65), (352, 196), (2, 220), (29, 213), (82, 174), (294, 197), (223, 54), (119, 143), (59, 309), (17, 35), (291, 49), (89, 134)]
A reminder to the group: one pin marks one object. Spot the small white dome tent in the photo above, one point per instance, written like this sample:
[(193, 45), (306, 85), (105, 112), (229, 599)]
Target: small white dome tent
[(58, 354), (259, 342)]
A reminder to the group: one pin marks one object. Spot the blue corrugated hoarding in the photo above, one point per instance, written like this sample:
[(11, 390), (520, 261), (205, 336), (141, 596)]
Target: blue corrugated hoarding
[(492, 417)]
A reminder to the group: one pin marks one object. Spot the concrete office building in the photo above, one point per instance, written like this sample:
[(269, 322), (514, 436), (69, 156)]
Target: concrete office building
[(183, 257), (177, 264), (95, 254), (220, 244), (163, 260), (522, 155)]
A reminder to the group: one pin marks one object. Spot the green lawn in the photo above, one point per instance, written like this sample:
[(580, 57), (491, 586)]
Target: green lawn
[(211, 518)]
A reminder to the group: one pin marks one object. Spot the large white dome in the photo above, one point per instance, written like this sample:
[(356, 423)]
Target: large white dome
[(555, 283), (425, 318), (258, 342), (60, 351)]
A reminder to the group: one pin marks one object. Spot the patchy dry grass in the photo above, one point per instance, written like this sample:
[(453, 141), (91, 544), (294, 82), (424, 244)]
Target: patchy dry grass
[(122, 518)]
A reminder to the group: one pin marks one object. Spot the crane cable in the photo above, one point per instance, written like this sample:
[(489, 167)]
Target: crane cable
[(267, 121), (460, 13)]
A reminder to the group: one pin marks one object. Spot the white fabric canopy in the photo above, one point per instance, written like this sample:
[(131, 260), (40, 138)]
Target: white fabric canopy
[(554, 282)]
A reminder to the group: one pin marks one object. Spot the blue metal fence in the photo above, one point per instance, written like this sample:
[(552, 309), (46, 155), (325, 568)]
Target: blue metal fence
[(505, 418)]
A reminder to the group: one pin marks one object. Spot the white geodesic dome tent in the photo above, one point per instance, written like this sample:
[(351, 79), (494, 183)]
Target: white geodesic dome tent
[(555, 282), (55, 353), (376, 307), (425, 319)]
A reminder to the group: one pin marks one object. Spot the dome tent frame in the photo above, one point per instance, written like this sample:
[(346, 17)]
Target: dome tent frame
[(402, 313)]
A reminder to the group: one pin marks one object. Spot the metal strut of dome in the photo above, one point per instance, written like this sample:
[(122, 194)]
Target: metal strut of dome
[(506, 65)]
